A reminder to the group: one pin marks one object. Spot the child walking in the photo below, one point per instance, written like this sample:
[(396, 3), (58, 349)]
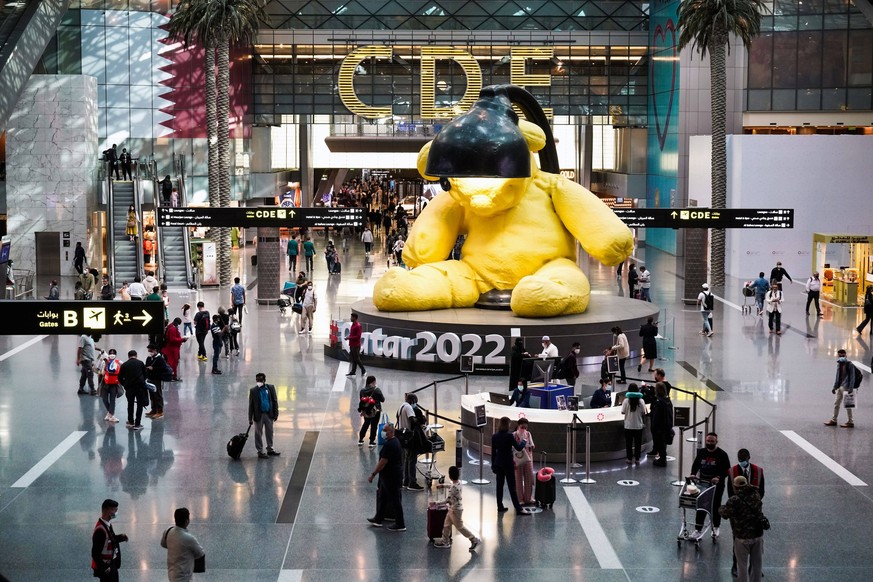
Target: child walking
[(453, 517)]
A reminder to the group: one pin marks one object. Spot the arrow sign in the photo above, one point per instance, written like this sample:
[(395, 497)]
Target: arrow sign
[(145, 317)]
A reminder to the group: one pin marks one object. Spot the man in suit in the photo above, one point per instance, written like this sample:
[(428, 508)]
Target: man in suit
[(263, 412)]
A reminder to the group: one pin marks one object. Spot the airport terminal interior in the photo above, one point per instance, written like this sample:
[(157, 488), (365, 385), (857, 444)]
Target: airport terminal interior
[(773, 396), (105, 141)]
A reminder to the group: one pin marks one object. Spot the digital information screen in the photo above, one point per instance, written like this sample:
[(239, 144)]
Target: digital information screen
[(78, 317), (262, 216), (706, 217)]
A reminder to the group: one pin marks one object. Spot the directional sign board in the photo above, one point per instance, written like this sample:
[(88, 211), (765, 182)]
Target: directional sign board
[(77, 317), (261, 216), (706, 217)]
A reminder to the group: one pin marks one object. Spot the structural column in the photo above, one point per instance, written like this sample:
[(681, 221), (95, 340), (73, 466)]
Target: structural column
[(271, 262)]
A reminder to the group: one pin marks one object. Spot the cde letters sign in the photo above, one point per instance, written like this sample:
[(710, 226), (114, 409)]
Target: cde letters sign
[(429, 56)]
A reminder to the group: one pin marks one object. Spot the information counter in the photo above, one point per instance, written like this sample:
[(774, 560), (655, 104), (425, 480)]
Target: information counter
[(549, 429)]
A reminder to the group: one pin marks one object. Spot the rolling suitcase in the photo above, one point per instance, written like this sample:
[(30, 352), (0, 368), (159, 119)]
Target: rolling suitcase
[(337, 268), (547, 486), (236, 444), (436, 519)]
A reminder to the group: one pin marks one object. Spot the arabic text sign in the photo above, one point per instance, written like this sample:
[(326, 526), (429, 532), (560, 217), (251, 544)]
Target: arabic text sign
[(262, 216), (706, 217), (77, 317)]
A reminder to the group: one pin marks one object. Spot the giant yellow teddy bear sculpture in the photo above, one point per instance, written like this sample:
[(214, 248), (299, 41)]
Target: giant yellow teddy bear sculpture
[(521, 235)]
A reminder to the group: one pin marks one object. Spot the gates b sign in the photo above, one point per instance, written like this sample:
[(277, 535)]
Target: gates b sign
[(78, 317)]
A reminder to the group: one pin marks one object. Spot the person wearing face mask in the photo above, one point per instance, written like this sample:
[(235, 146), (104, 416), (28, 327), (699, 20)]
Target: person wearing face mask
[(310, 303), (516, 361), (105, 550), (754, 476), (111, 368), (524, 473), (569, 365), (622, 350), (263, 412), (844, 383), (712, 465), (158, 371), (550, 350)]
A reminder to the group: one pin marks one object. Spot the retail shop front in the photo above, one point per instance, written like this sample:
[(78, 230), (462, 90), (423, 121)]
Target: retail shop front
[(845, 265)]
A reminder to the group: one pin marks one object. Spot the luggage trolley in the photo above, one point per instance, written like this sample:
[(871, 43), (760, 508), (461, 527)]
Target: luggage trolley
[(747, 292), (286, 299), (696, 495), (436, 444)]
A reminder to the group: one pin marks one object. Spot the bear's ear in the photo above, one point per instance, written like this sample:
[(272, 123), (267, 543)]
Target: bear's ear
[(533, 135), (421, 163)]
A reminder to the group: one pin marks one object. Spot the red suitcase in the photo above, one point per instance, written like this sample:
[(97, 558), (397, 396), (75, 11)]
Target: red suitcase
[(436, 519)]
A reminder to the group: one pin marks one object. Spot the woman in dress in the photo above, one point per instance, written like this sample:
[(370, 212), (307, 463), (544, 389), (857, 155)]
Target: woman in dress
[(649, 331), (132, 221)]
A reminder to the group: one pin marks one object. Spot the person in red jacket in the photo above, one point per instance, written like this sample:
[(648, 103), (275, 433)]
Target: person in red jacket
[(355, 347), (172, 344)]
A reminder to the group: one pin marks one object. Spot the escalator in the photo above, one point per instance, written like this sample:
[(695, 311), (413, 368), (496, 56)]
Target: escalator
[(127, 261), (174, 249)]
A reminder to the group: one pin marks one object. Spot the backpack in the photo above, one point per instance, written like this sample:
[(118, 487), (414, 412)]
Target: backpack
[(859, 376), (201, 321), (367, 405), (420, 418), (709, 302), (264, 393)]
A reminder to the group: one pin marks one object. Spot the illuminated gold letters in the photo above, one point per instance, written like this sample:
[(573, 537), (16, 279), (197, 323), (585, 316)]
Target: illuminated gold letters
[(429, 56), (518, 69), (347, 81)]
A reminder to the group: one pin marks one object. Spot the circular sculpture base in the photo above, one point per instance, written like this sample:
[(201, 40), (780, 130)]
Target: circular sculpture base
[(435, 341)]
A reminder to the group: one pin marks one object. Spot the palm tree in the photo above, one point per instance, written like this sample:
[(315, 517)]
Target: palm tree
[(707, 26), (217, 24)]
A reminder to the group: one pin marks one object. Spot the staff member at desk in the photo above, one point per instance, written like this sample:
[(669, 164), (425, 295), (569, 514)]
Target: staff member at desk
[(601, 397), (550, 350)]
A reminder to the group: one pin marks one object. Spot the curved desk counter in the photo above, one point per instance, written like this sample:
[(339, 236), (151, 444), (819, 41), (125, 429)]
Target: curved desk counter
[(549, 429)]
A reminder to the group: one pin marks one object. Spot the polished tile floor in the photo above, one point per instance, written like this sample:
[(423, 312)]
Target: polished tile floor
[(763, 385)]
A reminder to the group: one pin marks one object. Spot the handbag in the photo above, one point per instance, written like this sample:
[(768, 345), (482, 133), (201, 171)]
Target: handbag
[(151, 387), (297, 307), (382, 422), (119, 390), (200, 564), (235, 326), (849, 399)]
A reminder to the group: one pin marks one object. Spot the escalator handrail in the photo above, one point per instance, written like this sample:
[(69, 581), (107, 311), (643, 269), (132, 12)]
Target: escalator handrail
[(137, 208), (159, 252), (183, 201), (110, 209)]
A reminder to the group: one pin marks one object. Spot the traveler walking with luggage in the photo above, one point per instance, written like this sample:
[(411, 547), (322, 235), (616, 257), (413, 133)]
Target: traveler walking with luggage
[(844, 384), (183, 549), (263, 412), (408, 420), (711, 464), (309, 302), (390, 471), (502, 464), (370, 399), (105, 550), (761, 286), (524, 473), (456, 511)]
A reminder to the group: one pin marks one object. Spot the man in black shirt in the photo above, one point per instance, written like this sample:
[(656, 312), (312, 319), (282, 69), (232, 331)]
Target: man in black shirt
[(132, 376), (778, 272), (126, 162), (390, 471), (711, 464), (110, 156)]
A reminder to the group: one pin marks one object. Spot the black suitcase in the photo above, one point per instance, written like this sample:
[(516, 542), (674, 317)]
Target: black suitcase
[(236, 444), (337, 268), (546, 491)]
